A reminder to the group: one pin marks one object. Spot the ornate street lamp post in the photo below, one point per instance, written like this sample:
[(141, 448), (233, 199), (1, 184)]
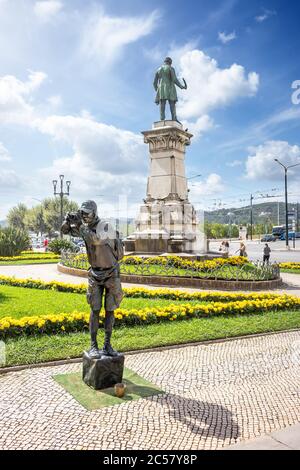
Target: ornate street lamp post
[(61, 194)]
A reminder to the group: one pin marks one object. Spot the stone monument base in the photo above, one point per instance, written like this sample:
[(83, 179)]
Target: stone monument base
[(167, 222), (102, 372)]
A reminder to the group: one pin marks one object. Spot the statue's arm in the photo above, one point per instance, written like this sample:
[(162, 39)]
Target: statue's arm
[(175, 79), (65, 228), (97, 238), (155, 82), (68, 229)]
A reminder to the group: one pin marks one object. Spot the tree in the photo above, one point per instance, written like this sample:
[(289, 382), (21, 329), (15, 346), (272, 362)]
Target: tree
[(51, 212), (215, 230), (16, 216), (34, 219)]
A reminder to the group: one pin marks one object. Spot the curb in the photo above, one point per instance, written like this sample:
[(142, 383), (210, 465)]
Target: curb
[(75, 360)]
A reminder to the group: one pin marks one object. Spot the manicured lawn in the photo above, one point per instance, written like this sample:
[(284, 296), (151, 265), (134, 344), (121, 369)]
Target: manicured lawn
[(19, 302), (28, 350), (29, 261), (291, 271)]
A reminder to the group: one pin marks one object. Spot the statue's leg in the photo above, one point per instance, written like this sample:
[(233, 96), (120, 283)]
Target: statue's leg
[(108, 328), (173, 109), (94, 327), (113, 297), (94, 298), (162, 110)]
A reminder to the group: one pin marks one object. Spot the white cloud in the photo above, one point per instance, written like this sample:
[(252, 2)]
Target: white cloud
[(200, 126), (209, 86), (177, 52), (45, 10), (55, 101), (105, 147), (104, 159), (104, 37), (15, 97), (234, 163), (9, 179), (225, 38), (213, 185), (264, 130), (266, 15), (261, 164), (4, 154)]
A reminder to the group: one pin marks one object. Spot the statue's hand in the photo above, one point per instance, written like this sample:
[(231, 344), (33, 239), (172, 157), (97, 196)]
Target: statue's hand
[(185, 85), (74, 218)]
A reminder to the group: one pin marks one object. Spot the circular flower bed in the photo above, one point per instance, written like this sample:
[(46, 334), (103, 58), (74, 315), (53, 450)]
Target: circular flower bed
[(232, 269)]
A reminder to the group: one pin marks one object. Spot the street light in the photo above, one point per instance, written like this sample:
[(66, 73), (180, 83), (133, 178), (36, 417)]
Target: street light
[(286, 200), (191, 177), (61, 193), (230, 222)]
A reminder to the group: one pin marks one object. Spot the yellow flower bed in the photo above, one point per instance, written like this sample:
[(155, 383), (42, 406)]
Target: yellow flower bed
[(29, 255), (290, 265), (38, 284), (175, 261), (162, 293), (78, 321)]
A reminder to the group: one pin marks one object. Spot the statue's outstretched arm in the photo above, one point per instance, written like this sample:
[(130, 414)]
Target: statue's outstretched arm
[(175, 79)]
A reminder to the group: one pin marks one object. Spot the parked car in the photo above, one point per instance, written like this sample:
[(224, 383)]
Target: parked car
[(268, 238)]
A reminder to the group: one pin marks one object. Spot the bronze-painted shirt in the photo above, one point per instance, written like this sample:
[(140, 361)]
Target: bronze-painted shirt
[(99, 239)]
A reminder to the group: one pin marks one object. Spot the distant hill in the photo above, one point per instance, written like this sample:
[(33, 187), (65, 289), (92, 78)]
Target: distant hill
[(266, 212), (3, 223)]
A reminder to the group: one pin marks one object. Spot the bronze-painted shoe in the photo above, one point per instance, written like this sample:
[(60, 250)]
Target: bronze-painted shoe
[(94, 352), (109, 351)]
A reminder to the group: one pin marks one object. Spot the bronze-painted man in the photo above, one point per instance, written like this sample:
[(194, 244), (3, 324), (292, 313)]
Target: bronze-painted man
[(164, 84), (104, 250)]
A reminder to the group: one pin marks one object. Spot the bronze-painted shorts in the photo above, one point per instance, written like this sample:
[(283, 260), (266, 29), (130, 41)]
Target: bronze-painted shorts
[(110, 287)]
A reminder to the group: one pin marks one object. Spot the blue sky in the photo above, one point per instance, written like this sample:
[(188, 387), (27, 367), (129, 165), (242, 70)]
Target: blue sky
[(76, 91)]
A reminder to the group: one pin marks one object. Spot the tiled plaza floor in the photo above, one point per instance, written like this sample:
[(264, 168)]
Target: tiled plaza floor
[(216, 395)]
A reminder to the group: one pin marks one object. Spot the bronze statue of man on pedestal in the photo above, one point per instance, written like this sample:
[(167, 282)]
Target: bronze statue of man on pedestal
[(104, 250), (164, 84)]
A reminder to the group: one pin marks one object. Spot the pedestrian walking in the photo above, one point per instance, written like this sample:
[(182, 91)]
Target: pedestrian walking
[(242, 250), (46, 243), (266, 254), (221, 248), (226, 247)]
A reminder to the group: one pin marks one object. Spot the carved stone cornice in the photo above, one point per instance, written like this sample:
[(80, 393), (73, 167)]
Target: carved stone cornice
[(165, 139)]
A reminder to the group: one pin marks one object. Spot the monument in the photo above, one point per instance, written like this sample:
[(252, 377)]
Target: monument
[(167, 221), (102, 368)]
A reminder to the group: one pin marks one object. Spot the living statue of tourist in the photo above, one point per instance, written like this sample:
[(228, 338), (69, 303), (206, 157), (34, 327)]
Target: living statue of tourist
[(164, 84), (104, 250)]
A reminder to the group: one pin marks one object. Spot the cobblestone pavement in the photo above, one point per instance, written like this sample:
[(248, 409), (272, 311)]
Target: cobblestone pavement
[(216, 395)]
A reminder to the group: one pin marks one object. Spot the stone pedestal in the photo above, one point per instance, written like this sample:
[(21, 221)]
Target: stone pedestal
[(103, 372), (167, 221)]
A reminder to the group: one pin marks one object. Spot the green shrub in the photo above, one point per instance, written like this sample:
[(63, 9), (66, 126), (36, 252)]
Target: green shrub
[(59, 245), (13, 241)]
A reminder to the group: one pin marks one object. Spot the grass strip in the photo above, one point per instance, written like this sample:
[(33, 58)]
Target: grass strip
[(36, 349)]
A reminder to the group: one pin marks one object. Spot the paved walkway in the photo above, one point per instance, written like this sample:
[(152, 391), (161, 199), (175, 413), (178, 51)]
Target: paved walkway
[(216, 395), (286, 439), (239, 394), (49, 272)]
